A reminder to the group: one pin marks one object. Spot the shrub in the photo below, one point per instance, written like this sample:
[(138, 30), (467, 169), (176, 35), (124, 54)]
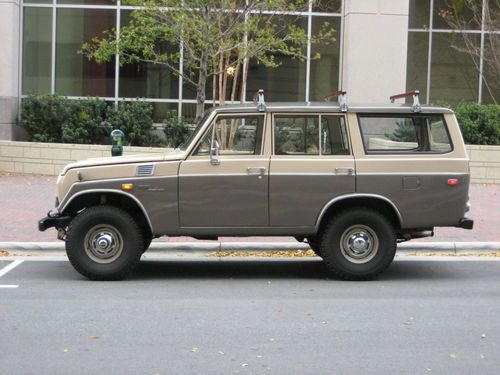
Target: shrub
[(87, 123), (43, 117), (480, 124), (177, 129), (135, 119)]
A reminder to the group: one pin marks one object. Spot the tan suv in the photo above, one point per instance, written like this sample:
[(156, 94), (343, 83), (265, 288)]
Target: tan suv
[(352, 182)]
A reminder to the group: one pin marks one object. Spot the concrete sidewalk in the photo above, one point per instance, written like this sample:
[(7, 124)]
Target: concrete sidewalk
[(27, 198)]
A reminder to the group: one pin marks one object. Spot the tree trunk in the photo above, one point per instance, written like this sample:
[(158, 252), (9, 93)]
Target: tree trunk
[(200, 89)]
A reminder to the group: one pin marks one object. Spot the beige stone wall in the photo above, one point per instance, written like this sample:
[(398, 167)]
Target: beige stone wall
[(50, 158)]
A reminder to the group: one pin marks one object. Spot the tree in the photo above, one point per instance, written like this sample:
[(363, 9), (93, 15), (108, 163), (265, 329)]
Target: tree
[(460, 15), (217, 39)]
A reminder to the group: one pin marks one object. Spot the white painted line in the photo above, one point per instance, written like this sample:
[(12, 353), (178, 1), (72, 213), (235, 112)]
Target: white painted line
[(10, 267), (8, 286)]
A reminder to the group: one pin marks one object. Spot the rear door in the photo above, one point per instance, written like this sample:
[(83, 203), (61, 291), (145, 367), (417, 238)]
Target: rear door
[(311, 164)]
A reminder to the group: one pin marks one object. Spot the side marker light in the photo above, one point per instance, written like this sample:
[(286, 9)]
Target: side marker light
[(453, 181), (127, 187)]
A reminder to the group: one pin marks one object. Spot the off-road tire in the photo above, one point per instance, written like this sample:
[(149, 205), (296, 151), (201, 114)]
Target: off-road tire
[(339, 249), (115, 222), (314, 244)]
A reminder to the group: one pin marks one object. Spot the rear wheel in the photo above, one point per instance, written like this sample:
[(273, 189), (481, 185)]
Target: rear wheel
[(104, 243), (358, 244), (314, 244)]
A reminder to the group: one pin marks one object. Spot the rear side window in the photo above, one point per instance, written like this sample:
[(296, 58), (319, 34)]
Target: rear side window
[(404, 133)]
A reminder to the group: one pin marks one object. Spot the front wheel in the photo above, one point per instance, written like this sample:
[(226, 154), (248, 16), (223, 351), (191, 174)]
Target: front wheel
[(104, 243), (358, 244)]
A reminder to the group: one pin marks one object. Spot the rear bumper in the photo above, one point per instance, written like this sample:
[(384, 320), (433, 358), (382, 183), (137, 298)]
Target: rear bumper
[(465, 223), (53, 221)]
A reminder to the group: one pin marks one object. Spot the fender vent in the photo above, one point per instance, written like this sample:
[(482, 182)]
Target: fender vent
[(145, 170)]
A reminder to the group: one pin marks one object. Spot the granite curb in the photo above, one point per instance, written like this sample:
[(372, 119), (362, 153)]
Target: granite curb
[(208, 247)]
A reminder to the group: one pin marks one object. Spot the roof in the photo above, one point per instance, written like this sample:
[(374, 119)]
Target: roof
[(328, 107)]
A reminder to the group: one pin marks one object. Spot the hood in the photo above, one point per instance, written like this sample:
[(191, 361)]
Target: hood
[(137, 158)]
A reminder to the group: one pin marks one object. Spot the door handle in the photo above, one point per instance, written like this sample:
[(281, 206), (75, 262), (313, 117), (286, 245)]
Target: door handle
[(344, 170), (256, 170)]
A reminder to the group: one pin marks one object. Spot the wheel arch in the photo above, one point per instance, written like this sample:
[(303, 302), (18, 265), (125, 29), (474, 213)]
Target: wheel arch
[(117, 198), (374, 201)]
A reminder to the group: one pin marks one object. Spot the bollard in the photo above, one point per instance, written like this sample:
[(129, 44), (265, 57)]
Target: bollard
[(117, 138)]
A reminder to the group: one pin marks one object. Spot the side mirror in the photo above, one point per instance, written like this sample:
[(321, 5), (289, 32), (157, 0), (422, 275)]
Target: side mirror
[(214, 153)]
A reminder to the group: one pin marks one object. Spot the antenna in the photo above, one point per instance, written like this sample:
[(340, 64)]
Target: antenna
[(416, 107), (341, 95)]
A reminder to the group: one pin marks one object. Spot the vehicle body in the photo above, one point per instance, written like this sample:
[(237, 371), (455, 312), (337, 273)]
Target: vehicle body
[(352, 182)]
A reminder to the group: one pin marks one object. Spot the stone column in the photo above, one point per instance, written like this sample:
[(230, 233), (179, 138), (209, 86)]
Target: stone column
[(375, 49), (9, 66)]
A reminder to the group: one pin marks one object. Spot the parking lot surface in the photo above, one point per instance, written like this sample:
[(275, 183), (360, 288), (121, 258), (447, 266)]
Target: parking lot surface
[(229, 316)]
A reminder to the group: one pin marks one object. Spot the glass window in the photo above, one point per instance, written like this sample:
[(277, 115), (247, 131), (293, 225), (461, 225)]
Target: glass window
[(404, 133), (87, 2), (454, 76), (419, 14), (75, 74), (240, 135), (334, 136), (296, 135), (468, 14), (324, 77), (148, 80), (491, 79), (416, 67), (37, 42), (328, 6)]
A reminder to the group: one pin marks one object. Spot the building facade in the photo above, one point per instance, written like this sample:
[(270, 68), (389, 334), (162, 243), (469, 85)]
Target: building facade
[(382, 47)]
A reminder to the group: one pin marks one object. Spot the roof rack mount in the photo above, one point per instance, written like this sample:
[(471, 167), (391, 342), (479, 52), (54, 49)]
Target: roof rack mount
[(341, 95), (416, 107), (258, 100)]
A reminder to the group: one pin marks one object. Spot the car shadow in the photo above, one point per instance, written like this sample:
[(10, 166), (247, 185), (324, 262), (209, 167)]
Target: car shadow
[(310, 268)]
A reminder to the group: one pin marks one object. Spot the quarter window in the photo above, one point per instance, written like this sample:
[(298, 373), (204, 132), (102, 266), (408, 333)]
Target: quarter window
[(404, 133)]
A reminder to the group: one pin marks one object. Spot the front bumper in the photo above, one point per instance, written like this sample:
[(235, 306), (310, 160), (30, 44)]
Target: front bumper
[(53, 221)]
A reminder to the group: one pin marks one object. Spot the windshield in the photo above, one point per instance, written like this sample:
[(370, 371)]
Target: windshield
[(200, 123)]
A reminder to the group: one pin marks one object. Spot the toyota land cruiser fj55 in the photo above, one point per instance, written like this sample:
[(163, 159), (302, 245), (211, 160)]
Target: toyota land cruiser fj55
[(351, 181)]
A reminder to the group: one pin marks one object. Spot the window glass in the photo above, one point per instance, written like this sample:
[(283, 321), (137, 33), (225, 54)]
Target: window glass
[(439, 140), (334, 136), (75, 74), (405, 133), (416, 67), (419, 14), (235, 135), (296, 135), (37, 37)]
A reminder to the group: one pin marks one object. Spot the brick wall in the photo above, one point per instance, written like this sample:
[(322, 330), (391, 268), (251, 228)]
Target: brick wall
[(50, 158)]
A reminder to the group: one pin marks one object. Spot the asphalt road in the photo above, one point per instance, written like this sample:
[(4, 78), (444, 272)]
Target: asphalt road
[(272, 316)]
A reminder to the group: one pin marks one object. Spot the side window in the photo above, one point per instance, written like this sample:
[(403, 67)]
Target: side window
[(334, 136), (404, 133), (296, 135), (236, 135)]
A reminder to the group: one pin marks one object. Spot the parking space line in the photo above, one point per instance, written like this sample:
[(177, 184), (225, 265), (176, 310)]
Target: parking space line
[(10, 267)]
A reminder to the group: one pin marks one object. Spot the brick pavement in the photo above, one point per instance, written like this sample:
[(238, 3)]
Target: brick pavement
[(27, 198)]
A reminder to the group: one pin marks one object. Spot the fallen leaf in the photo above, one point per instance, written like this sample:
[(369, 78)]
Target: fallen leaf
[(453, 356), (222, 353), (66, 350), (481, 356), (259, 356), (483, 335), (194, 349), (308, 313), (323, 322), (94, 337), (244, 364), (428, 369)]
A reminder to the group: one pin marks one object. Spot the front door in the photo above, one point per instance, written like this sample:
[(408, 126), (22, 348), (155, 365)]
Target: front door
[(231, 189)]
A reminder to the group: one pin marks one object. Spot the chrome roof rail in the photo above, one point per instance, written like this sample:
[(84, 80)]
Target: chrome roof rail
[(258, 100), (416, 107), (341, 95)]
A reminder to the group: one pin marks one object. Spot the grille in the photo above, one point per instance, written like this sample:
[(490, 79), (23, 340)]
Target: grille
[(145, 170)]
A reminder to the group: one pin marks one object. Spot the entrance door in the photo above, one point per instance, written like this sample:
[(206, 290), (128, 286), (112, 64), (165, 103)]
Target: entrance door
[(231, 189)]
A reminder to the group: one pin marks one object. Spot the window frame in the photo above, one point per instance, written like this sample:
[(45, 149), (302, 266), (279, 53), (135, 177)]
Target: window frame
[(360, 115), (320, 148)]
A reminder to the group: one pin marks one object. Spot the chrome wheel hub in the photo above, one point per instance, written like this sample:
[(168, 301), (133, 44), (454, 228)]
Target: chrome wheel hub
[(103, 243), (359, 244)]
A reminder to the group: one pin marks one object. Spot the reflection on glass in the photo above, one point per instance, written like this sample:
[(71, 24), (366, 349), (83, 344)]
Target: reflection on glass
[(37, 36), (491, 80), (470, 19), (161, 111), (324, 77), (454, 76), (75, 74), (87, 2), (327, 6), (416, 67), (148, 80), (419, 14), (296, 135)]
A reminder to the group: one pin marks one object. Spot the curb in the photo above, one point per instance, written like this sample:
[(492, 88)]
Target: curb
[(208, 247)]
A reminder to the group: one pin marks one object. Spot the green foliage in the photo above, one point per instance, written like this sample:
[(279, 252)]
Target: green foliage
[(404, 132), (43, 117), (480, 124), (135, 119), (52, 118), (177, 130)]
